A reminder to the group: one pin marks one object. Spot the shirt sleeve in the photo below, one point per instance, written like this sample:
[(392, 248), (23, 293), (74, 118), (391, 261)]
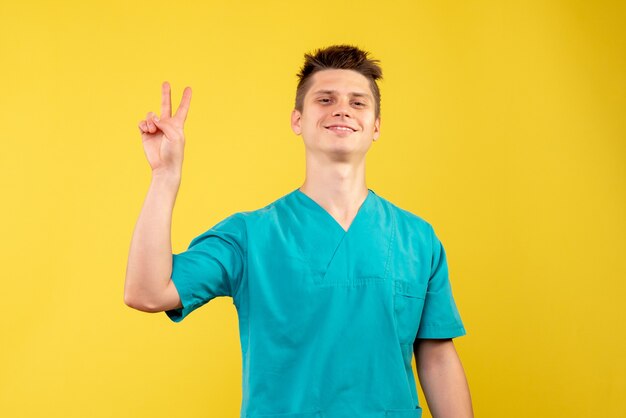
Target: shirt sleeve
[(440, 317), (212, 266)]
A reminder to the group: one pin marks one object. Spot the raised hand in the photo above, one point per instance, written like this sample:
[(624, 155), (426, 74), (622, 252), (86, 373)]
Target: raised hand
[(163, 138)]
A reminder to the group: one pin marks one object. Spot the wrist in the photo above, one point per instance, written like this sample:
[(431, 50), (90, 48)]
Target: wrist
[(167, 179)]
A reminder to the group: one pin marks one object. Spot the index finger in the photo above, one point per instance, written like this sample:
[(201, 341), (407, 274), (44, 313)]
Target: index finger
[(183, 108), (166, 101)]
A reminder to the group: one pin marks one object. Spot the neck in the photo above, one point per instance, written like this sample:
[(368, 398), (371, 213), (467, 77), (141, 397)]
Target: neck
[(339, 187)]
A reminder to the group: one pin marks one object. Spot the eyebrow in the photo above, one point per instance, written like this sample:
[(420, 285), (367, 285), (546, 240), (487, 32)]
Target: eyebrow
[(353, 93)]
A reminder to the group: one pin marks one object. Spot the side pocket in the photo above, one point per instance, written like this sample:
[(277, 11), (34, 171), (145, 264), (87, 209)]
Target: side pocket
[(408, 305)]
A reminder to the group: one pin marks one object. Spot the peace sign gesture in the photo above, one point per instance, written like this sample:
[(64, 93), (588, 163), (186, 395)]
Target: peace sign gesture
[(163, 138)]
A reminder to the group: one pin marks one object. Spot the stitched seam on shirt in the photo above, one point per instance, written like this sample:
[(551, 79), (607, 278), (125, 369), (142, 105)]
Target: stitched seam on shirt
[(244, 257), (391, 241), (361, 281)]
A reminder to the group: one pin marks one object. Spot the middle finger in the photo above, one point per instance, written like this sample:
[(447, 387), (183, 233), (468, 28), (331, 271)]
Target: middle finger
[(166, 100)]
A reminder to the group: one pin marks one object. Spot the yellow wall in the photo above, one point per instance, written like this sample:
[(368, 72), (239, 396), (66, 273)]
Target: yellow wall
[(502, 125)]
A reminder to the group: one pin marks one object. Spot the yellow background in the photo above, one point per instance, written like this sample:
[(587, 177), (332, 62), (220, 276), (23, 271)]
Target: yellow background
[(503, 124)]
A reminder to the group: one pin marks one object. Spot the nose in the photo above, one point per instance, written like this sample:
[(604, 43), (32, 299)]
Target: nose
[(341, 112), (342, 109)]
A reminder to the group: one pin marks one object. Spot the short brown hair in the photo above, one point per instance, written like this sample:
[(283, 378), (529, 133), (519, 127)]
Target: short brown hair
[(340, 57)]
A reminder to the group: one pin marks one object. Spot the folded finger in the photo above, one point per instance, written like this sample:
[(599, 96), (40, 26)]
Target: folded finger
[(151, 126)]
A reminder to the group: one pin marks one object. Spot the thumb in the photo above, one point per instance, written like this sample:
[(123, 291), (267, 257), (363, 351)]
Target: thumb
[(157, 122), (166, 128)]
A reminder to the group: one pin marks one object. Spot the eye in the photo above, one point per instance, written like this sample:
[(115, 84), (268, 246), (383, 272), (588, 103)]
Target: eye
[(324, 100), (359, 103)]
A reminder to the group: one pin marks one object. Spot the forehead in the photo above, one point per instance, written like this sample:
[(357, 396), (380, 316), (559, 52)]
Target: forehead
[(341, 81)]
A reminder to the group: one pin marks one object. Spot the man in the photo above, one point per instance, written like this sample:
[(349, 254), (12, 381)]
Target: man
[(335, 287)]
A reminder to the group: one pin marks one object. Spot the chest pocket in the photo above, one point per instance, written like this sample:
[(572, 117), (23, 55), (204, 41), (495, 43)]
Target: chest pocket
[(408, 300)]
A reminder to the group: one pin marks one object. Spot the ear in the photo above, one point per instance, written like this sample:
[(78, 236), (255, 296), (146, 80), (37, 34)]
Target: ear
[(295, 121), (376, 128)]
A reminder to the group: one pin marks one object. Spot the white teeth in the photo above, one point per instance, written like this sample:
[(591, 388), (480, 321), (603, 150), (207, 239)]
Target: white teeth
[(340, 128)]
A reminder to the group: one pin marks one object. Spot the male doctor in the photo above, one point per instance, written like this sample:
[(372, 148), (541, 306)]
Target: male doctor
[(335, 287)]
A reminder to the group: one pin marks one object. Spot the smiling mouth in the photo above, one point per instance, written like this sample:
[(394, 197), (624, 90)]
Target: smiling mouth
[(340, 129)]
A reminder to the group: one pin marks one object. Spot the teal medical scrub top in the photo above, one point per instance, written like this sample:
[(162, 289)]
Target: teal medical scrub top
[(327, 317)]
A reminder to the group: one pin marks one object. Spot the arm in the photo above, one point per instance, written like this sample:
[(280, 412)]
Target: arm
[(442, 378), (148, 286)]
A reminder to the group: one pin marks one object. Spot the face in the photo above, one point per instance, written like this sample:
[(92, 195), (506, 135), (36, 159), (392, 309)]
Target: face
[(338, 115)]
